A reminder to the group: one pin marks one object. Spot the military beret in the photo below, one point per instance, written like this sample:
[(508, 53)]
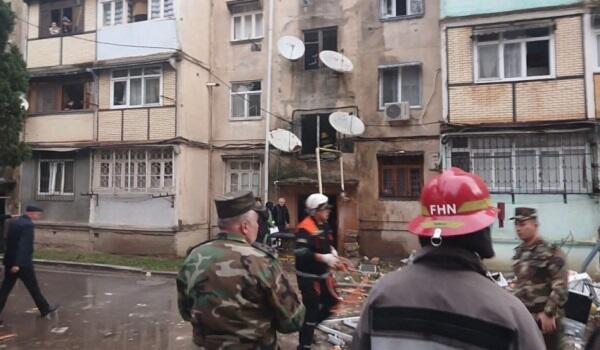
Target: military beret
[(233, 204), (523, 213), (33, 208)]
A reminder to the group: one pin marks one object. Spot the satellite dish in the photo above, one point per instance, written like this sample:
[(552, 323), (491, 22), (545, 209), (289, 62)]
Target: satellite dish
[(285, 141), (346, 123), (336, 61), (24, 102), (290, 47)]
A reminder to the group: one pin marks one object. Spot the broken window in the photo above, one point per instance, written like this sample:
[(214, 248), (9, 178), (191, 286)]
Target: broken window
[(135, 170), (246, 26), (61, 17), (558, 163), (316, 131), (400, 84), (53, 96), (400, 176), (55, 177), (513, 54), (399, 8), (136, 87), (245, 100), (315, 41), (244, 175)]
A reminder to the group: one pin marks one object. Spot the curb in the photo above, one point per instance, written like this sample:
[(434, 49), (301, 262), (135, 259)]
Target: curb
[(102, 267)]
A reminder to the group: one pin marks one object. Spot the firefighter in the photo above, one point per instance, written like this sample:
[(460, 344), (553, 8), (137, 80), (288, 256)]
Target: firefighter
[(444, 299), (315, 258)]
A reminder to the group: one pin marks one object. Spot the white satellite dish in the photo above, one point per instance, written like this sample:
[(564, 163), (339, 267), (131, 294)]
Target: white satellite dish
[(346, 123), (24, 102), (290, 47), (285, 141), (336, 61)]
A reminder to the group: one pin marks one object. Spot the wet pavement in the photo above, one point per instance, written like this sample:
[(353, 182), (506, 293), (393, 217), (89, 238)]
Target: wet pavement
[(98, 310)]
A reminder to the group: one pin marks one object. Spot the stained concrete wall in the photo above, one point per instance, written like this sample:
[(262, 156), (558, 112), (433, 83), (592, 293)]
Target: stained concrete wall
[(62, 209)]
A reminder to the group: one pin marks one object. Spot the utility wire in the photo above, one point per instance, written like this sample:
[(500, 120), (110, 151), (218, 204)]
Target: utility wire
[(184, 54)]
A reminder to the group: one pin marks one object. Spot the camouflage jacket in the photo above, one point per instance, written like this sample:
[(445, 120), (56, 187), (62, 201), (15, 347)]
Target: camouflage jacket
[(236, 296), (541, 277)]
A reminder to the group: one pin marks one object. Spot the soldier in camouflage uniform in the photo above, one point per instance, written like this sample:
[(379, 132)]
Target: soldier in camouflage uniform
[(541, 277), (235, 294)]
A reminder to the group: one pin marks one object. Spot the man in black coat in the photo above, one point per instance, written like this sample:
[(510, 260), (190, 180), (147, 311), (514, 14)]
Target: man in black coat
[(281, 216), (18, 260)]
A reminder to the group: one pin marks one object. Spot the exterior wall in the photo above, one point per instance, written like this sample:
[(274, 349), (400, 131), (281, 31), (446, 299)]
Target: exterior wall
[(67, 210), (460, 8), (518, 101), (160, 34), (63, 127), (133, 211)]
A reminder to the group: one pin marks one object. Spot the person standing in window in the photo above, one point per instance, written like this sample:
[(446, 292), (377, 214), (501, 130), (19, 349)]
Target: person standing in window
[(18, 260), (282, 215), (54, 29), (67, 25)]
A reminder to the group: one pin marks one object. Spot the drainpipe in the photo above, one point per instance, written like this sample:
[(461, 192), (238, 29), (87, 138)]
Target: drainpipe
[(269, 87)]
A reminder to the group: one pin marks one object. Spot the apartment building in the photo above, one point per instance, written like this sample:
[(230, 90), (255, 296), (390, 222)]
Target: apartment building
[(118, 105), (519, 110)]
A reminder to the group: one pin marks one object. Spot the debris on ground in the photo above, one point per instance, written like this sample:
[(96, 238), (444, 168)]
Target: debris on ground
[(59, 330)]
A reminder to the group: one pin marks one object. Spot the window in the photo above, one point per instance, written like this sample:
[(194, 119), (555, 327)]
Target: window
[(316, 131), (400, 176), (61, 18), (136, 87), (115, 12), (514, 54), (532, 164), (246, 26), (55, 177), (52, 96), (316, 41), (245, 100), (135, 170), (244, 175), (400, 84), (399, 8)]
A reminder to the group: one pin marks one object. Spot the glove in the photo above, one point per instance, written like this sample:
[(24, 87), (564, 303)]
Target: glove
[(334, 252), (329, 259)]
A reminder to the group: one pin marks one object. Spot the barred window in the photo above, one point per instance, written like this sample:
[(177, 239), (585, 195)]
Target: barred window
[(552, 163), (134, 170)]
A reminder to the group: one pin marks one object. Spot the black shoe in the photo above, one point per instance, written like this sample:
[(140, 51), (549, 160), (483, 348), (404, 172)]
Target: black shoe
[(50, 310)]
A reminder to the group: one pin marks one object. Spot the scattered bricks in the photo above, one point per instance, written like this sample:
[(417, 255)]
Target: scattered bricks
[(351, 236), (351, 250)]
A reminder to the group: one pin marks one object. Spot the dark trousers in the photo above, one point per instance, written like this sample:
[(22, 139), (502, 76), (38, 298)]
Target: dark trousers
[(27, 275), (555, 340), (318, 302)]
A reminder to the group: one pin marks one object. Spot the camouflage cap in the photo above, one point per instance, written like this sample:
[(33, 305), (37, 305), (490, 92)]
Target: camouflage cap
[(523, 213), (233, 204)]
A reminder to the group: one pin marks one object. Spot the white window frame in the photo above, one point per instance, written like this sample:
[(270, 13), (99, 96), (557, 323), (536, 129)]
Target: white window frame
[(253, 35), (597, 47), (112, 13), (250, 172), (501, 42), (127, 79), (385, 15), (246, 101), (399, 67), (128, 182), (52, 180)]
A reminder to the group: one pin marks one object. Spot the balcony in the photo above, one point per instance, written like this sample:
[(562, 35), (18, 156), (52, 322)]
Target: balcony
[(147, 37), (72, 126), (61, 50), (136, 124)]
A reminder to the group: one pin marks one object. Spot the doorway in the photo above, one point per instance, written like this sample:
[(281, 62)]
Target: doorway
[(333, 217)]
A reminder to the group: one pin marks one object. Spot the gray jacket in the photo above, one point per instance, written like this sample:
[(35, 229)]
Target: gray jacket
[(444, 301)]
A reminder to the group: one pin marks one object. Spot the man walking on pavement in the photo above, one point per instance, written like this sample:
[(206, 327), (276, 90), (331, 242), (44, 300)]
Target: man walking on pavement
[(444, 299), (315, 257), (236, 295), (282, 215), (18, 260), (541, 277)]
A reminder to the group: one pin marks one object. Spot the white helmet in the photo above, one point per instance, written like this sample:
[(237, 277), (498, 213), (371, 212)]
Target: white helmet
[(315, 200)]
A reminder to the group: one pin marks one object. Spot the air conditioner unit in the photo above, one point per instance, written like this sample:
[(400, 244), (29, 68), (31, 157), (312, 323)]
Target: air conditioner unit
[(396, 111)]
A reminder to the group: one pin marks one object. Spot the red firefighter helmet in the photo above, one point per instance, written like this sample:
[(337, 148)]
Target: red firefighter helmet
[(455, 203)]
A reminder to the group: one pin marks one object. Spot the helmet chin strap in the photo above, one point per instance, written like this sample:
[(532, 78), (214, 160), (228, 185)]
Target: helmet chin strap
[(436, 239)]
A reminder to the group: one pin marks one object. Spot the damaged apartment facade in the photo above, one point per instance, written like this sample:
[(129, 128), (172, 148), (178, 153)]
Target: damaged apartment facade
[(521, 99), (115, 123)]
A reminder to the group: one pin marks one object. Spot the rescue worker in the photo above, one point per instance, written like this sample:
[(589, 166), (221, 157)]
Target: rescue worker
[(236, 295), (315, 257), (444, 299), (541, 277)]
